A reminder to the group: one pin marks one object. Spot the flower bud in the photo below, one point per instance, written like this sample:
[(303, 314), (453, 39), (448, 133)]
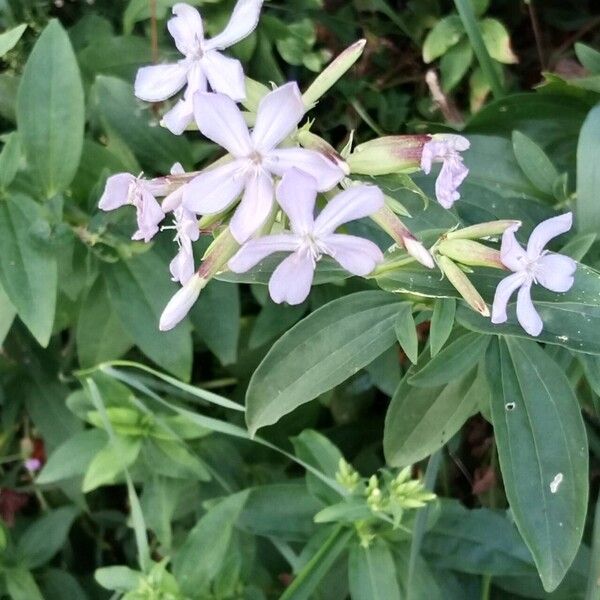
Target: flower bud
[(418, 251), (181, 303), (463, 285), (482, 230), (255, 92), (471, 253), (311, 141), (333, 72), (387, 155)]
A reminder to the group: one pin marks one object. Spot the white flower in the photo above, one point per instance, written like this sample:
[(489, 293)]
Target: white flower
[(203, 63), (256, 158), (186, 228), (180, 304)]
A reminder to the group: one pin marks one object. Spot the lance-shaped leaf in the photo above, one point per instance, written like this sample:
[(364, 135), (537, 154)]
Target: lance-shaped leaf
[(319, 353), (51, 111), (542, 446)]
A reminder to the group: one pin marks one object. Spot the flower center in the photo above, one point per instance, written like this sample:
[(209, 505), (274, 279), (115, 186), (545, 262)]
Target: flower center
[(312, 247), (256, 158)]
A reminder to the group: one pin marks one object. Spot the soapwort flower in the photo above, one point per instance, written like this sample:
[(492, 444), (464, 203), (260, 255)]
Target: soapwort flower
[(446, 148), (256, 158), (124, 188), (203, 63), (553, 271), (310, 238), (185, 225)]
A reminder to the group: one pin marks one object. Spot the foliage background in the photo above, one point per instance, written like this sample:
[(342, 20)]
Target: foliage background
[(152, 488)]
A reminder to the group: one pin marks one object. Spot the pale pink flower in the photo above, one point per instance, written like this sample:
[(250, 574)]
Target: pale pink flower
[(202, 64), (256, 158), (446, 148), (186, 229), (181, 303), (553, 271), (124, 188), (310, 238)]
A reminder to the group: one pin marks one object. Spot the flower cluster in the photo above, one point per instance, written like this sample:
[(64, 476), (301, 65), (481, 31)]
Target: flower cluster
[(260, 197)]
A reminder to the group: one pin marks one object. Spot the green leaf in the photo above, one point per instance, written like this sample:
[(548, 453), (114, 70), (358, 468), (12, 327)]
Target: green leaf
[(216, 318), (21, 585), (542, 446), (309, 577), (535, 163), (320, 352), (46, 536), (118, 578), (419, 421), (453, 362), (273, 320), (28, 271), (50, 110), (7, 314), (455, 63), (442, 323), (72, 458), (588, 57), (100, 334), (497, 41), (119, 111), (588, 174), (9, 39), (59, 585), (200, 558), (446, 33), (406, 332), (372, 573), (109, 463), (139, 297), (10, 159)]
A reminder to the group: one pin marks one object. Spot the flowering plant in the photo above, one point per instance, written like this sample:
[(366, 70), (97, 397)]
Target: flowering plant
[(259, 342)]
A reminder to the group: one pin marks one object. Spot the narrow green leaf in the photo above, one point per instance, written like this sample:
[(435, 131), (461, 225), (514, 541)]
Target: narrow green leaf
[(442, 323), (588, 174), (542, 445), (534, 162), (21, 585), (10, 159), (110, 463), (372, 573), (50, 110), (452, 362), (406, 332), (419, 421), (139, 298), (320, 352), (28, 271), (118, 578), (9, 39), (588, 57)]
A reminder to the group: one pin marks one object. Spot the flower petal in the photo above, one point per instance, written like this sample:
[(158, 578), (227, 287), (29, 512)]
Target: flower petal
[(215, 189), (556, 272), (279, 113), (512, 254), (186, 28), (292, 279), (149, 215), (180, 304), (116, 192), (547, 230), (182, 266), (253, 251), (225, 75), (504, 291), (452, 174), (242, 23), (355, 254), (254, 208), (221, 121), (159, 82), (527, 315), (325, 172), (355, 203), (296, 195), (182, 114)]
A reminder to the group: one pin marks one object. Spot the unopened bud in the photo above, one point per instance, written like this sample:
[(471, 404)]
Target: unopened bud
[(311, 141), (418, 251), (255, 92), (387, 155), (463, 285), (471, 253), (333, 72), (482, 230), (181, 303)]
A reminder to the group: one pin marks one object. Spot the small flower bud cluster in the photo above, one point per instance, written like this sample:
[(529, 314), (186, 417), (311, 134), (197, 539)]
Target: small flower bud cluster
[(347, 476)]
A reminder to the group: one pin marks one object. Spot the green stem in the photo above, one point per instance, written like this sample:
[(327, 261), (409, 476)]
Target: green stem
[(467, 15)]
